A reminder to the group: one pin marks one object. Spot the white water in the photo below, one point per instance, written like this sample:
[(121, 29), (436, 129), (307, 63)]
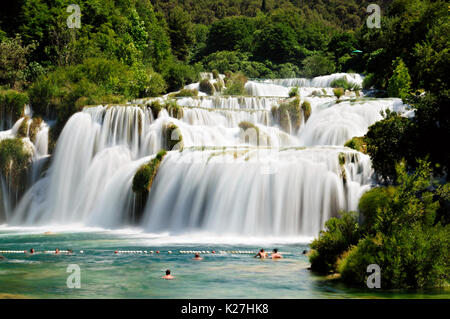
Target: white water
[(220, 183)]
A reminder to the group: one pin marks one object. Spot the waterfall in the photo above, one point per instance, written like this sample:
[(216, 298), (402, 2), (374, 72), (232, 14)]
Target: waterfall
[(222, 180)]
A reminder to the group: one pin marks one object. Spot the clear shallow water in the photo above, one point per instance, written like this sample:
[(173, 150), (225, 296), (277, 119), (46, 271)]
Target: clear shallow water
[(108, 275)]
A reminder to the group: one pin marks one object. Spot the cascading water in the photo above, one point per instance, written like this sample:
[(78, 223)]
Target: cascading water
[(220, 180)]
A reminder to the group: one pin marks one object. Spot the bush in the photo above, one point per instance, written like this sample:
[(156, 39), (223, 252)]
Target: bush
[(235, 84), (343, 83), (156, 107), (144, 176), (186, 93), (400, 82), (206, 87), (339, 235), (12, 102), (294, 92), (338, 92), (369, 81), (177, 75), (306, 108), (14, 159), (357, 143), (174, 109), (370, 202), (317, 65)]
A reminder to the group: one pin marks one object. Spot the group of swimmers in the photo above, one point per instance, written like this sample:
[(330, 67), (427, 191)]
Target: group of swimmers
[(261, 254)]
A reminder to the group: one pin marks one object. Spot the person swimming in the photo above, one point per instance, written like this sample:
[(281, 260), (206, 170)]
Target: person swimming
[(56, 251), (197, 257), (276, 254), (168, 276), (261, 254), (32, 251)]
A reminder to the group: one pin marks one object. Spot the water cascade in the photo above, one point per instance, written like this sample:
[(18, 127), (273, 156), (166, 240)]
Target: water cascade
[(221, 179)]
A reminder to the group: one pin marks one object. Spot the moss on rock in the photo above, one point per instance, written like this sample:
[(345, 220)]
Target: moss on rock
[(306, 108), (14, 159), (144, 176), (173, 137), (289, 115)]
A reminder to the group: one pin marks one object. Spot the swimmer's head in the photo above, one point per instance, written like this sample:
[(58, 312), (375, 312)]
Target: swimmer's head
[(197, 255), (275, 250), (168, 272), (32, 250), (262, 250)]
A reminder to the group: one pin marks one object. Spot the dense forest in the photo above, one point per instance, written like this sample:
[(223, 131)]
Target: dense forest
[(128, 49)]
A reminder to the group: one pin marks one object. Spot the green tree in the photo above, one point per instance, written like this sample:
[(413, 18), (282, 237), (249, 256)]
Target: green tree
[(181, 32), (318, 64), (400, 81)]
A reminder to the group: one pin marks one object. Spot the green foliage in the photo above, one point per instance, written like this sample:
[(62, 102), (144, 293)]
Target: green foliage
[(231, 33), (387, 143), (357, 143), (13, 61), (186, 93), (294, 92), (343, 83), (174, 109), (12, 102), (403, 234), (156, 107), (224, 61), (177, 75), (318, 64), (235, 84), (181, 32), (206, 87), (339, 235), (400, 81), (338, 92), (306, 109), (144, 176), (368, 81), (14, 160)]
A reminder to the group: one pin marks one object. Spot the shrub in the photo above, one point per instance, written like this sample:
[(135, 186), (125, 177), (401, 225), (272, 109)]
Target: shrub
[(12, 102), (306, 108), (357, 143), (338, 92), (400, 82), (206, 87), (294, 92), (368, 81), (289, 115), (370, 202), (14, 159), (339, 235), (186, 93), (156, 107), (177, 75), (318, 64), (343, 83), (235, 84), (215, 74), (174, 109)]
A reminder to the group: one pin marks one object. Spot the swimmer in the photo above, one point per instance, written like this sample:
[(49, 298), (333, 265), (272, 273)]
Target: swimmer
[(276, 254), (197, 257), (262, 254), (168, 276), (56, 251), (32, 251)]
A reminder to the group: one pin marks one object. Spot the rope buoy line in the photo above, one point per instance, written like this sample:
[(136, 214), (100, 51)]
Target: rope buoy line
[(150, 252)]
